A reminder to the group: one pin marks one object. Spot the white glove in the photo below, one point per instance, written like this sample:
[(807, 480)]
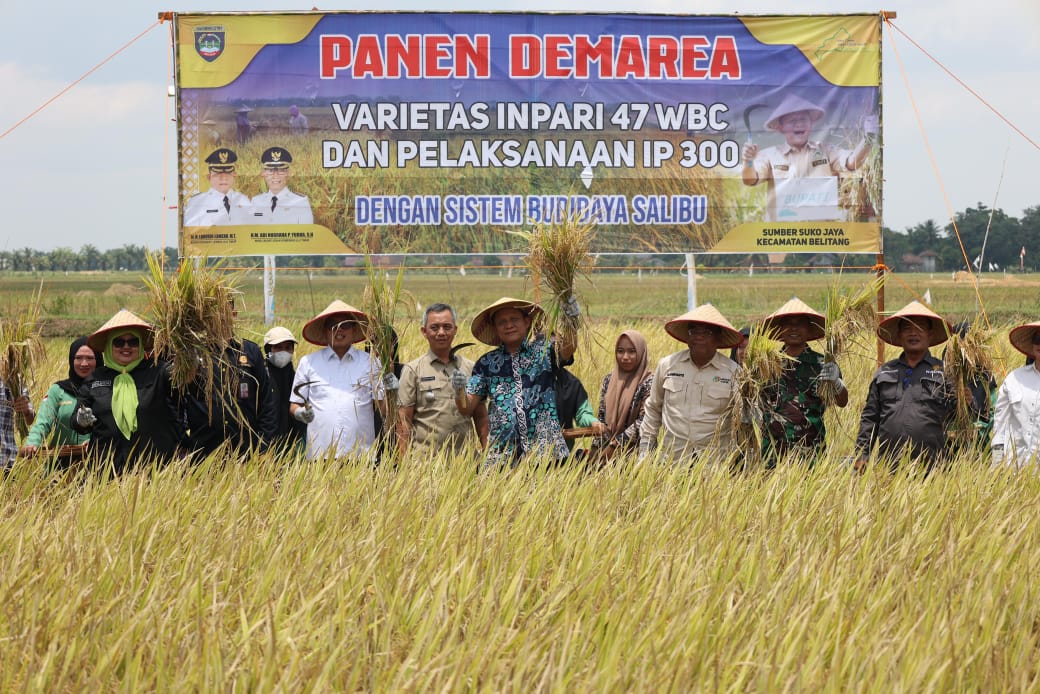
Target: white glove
[(998, 454), (304, 414), (390, 382), (458, 381), (571, 309), (871, 126), (830, 372), (85, 417)]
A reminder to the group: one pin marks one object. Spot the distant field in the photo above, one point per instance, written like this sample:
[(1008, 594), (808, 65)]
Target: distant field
[(76, 302)]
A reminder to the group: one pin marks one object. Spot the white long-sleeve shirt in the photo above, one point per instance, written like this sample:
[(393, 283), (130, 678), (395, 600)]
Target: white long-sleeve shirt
[(1016, 419)]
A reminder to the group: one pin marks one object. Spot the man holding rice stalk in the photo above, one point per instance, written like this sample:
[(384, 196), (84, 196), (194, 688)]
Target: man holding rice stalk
[(427, 415), (517, 381), (1016, 419), (692, 388), (239, 409), (910, 403), (335, 388), (9, 407), (793, 405)]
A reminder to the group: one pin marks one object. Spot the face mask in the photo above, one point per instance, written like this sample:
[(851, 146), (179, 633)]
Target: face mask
[(279, 359)]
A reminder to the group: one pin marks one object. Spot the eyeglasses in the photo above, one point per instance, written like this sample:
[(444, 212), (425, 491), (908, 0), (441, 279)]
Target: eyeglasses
[(121, 342), (342, 325), (906, 378), (699, 330)]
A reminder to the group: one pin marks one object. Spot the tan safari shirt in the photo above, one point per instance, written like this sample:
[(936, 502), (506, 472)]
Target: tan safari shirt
[(782, 161), (426, 386), (688, 401)]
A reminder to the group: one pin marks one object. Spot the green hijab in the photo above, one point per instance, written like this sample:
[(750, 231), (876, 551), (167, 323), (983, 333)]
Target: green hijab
[(124, 390)]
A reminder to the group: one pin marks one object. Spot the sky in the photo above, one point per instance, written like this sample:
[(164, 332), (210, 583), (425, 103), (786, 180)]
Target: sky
[(97, 166)]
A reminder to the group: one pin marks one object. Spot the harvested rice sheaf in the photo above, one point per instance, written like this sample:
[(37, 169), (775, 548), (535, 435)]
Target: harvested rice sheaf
[(849, 316), (558, 255), (193, 324), (22, 351)]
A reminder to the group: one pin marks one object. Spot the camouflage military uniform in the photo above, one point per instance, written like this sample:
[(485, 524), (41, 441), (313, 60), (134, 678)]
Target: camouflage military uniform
[(793, 410)]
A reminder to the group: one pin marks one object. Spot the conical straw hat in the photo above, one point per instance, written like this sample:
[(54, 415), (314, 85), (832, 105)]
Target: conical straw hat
[(1022, 337), (483, 326), (793, 104), (888, 329), (121, 321), (797, 307), (708, 314), (314, 331)]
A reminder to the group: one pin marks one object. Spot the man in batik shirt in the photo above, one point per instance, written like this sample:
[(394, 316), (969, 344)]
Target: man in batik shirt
[(517, 382)]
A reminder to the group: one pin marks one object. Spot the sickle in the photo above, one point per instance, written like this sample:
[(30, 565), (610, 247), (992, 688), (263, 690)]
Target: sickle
[(747, 117), (296, 391), (456, 348)]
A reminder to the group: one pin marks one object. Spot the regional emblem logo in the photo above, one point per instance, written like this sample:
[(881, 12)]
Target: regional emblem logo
[(209, 42)]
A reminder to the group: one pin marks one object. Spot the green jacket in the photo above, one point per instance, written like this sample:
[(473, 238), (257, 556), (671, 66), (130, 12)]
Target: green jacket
[(53, 421)]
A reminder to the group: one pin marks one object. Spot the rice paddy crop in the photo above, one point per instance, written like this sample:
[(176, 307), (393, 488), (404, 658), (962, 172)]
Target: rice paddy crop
[(286, 575)]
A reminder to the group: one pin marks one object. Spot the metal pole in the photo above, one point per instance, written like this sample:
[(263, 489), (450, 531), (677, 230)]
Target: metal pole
[(269, 270), (691, 282)]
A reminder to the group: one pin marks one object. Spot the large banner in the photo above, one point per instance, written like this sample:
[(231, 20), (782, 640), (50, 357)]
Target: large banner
[(324, 133)]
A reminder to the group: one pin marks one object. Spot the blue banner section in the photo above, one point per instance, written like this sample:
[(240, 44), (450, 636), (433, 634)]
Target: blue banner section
[(441, 132)]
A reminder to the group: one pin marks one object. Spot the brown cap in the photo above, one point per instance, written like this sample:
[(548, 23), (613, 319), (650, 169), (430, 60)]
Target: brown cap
[(797, 307), (122, 321), (709, 315), (314, 331), (888, 329), (1022, 337), (483, 327)]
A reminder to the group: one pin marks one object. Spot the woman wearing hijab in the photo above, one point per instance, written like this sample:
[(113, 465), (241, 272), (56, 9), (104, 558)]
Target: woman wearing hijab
[(623, 393), (53, 425), (128, 404)]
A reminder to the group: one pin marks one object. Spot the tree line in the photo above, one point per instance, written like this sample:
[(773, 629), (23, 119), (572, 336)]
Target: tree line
[(1006, 238)]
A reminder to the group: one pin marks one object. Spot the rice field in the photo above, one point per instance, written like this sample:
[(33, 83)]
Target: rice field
[(278, 574)]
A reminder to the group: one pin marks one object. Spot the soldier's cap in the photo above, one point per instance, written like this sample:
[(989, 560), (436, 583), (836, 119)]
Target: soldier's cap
[(708, 315), (276, 158), (1022, 337), (222, 160), (888, 329), (796, 308), (793, 104)]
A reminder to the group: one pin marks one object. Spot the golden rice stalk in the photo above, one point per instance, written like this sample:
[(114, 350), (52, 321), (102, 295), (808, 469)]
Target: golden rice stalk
[(21, 352), (968, 363), (848, 316), (558, 254), (380, 302), (192, 313), (744, 416)]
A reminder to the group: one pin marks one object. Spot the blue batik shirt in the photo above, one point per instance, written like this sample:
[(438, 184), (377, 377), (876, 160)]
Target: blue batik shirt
[(521, 402)]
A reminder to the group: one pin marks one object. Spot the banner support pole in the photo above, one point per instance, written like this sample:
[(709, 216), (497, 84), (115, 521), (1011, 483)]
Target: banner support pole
[(269, 270), (691, 282)]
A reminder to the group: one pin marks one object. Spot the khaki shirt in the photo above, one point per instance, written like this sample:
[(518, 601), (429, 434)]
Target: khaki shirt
[(426, 387), (688, 401), (812, 161)]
